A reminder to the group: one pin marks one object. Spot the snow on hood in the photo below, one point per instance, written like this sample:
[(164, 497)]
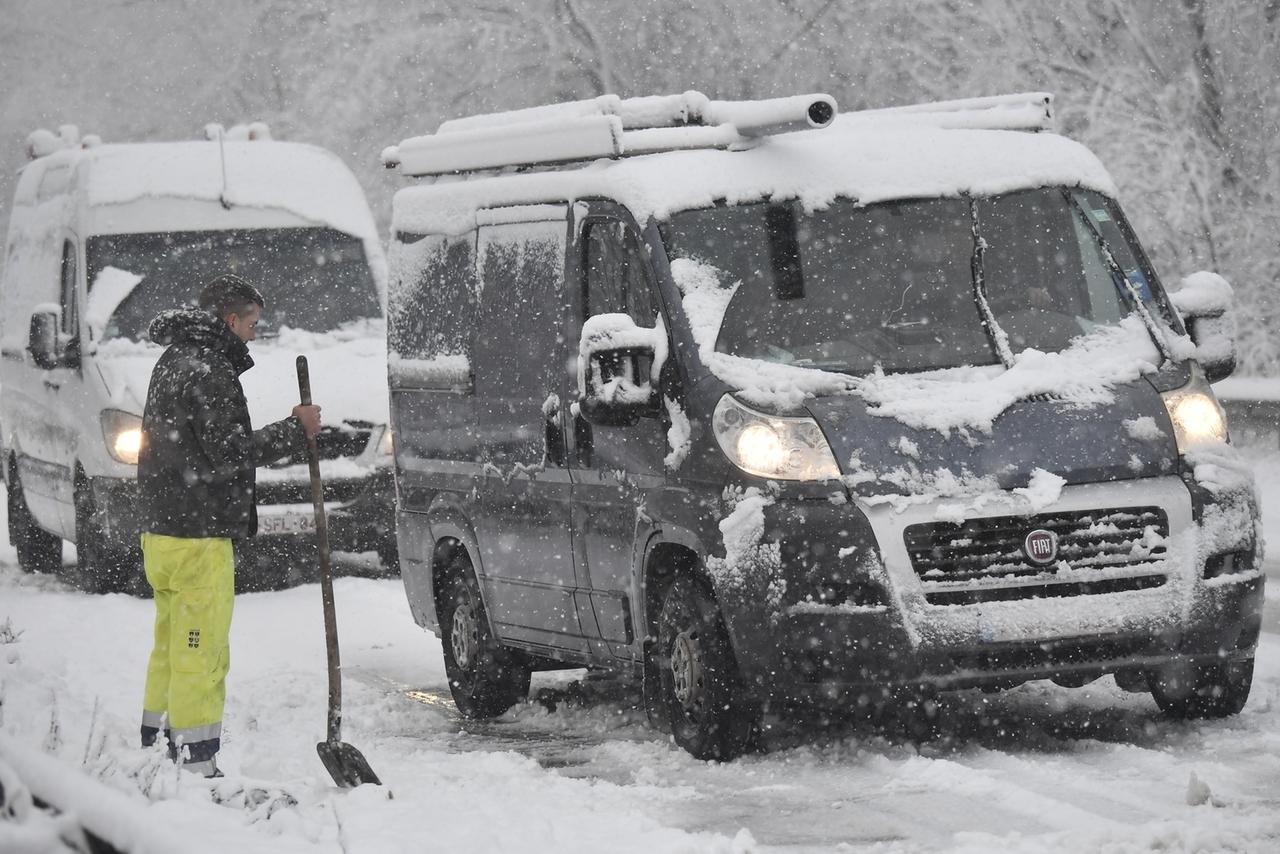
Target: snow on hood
[(852, 161), (1083, 375), (348, 373)]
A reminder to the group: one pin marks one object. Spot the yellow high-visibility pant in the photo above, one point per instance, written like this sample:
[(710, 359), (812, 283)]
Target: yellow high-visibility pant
[(194, 583)]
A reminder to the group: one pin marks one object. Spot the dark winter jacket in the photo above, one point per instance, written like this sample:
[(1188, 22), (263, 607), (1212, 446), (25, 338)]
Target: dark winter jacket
[(199, 451)]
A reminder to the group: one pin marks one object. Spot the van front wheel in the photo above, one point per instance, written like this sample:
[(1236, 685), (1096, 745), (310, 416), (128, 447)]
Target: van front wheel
[(38, 550), (711, 716), (485, 678)]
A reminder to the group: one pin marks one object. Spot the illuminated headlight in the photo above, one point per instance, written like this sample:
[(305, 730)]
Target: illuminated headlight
[(781, 447), (386, 445), (122, 432), (1196, 414)]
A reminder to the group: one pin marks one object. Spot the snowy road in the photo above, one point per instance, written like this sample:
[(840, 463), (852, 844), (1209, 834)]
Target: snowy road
[(1040, 768)]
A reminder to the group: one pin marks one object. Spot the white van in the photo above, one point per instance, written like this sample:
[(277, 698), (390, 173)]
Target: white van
[(104, 237)]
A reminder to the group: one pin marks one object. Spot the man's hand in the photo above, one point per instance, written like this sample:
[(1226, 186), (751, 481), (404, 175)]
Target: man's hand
[(310, 418)]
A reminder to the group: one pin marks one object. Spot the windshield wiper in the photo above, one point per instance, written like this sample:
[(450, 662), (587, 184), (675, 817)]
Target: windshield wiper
[(1123, 284), (998, 337)]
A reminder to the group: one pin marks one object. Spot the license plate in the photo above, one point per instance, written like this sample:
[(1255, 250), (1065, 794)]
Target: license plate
[(286, 523)]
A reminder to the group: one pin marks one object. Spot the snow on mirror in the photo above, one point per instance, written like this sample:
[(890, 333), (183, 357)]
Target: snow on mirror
[(619, 364), (1206, 302)]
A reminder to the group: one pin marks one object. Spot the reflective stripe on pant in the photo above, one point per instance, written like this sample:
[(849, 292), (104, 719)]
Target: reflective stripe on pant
[(194, 584)]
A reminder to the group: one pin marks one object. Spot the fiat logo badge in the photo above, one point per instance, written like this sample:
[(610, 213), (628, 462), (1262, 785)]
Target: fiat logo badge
[(1041, 547)]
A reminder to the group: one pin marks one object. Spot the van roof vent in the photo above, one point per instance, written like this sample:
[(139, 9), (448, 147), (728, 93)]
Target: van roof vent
[(238, 133), (607, 126), (42, 142)]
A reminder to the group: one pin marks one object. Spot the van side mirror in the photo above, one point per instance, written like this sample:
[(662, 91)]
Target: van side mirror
[(618, 367), (44, 339), (1206, 303)]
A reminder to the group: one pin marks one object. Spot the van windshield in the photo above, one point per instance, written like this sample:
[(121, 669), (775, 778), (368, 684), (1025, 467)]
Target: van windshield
[(895, 286), (312, 278)]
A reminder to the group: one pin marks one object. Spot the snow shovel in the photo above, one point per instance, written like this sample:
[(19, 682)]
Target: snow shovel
[(344, 763)]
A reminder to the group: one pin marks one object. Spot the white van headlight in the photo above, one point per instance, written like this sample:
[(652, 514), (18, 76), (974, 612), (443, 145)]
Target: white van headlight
[(386, 445), (1196, 414), (122, 432), (777, 446)]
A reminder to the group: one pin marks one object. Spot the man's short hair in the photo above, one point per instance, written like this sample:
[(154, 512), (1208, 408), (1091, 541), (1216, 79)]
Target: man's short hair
[(230, 294)]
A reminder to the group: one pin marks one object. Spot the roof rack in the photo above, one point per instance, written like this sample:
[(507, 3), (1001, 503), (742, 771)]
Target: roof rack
[(607, 126), (1029, 111)]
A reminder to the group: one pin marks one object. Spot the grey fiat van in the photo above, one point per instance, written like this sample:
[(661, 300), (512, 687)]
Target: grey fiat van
[(765, 407)]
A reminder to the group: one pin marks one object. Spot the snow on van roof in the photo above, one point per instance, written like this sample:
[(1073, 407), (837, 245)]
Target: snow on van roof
[(854, 159), (303, 179)]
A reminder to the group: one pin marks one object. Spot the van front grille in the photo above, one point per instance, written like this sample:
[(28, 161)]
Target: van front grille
[(982, 559)]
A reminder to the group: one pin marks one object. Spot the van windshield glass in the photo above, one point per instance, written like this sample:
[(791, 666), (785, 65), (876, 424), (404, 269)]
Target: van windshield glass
[(892, 286), (312, 278)]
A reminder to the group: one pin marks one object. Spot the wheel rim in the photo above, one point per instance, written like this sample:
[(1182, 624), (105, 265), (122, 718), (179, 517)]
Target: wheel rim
[(464, 638), (686, 670)]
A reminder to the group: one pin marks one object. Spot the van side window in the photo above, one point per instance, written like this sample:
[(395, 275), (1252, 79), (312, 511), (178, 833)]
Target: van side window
[(70, 316), (617, 273), (521, 344), (432, 308)]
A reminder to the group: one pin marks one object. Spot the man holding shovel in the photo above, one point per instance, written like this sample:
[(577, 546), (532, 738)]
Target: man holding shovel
[(196, 479)]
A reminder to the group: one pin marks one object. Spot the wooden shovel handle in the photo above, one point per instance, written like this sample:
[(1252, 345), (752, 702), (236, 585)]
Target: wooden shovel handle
[(334, 729)]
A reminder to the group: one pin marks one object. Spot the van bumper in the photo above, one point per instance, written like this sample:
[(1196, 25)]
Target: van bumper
[(363, 520), (815, 652), (841, 658)]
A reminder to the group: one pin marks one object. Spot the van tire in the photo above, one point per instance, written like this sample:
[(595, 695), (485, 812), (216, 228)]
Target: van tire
[(485, 678), (103, 566), (1219, 690), (707, 703), (38, 550)]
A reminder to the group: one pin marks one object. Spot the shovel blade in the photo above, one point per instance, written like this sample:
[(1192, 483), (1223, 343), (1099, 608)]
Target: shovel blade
[(346, 765)]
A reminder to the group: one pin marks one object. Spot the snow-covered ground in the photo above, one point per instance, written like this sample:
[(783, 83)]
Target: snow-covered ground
[(1040, 768)]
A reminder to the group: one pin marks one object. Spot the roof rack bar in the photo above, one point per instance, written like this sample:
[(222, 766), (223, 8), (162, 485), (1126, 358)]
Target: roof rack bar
[(663, 111), (607, 126), (547, 141), (1031, 111)]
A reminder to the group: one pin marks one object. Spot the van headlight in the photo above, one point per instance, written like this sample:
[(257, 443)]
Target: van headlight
[(776, 446), (122, 432), (1196, 414), (386, 445)]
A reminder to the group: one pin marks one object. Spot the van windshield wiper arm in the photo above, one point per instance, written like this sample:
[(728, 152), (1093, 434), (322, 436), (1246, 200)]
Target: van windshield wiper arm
[(1122, 281), (999, 338)]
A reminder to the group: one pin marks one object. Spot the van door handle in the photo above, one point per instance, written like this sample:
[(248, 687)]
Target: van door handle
[(583, 441), (53, 385), (553, 436)]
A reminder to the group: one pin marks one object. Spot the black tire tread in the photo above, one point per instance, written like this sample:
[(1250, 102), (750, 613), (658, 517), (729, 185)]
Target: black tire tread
[(500, 677), (725, 730)]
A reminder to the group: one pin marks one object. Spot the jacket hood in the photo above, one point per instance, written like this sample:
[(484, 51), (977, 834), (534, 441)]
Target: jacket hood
[(203, 329)]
